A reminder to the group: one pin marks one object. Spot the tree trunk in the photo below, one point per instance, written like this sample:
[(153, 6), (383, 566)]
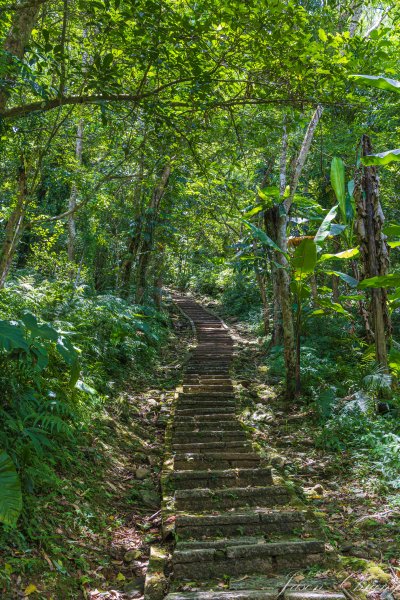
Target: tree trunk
[(148, 233), (14, 227), (373, 250), (135, 237), (22, 23), (74, 195), (276, 224)]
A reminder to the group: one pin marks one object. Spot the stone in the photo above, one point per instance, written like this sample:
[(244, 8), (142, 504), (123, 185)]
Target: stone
[(132, 555), (142, 473)]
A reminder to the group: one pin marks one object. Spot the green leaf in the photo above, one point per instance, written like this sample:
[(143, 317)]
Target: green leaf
[(10, 491), (304, 258), (392, 229), (66, 350), (325, 227), (381, 159), (383, 83), (12, 337), (262, 236), (341, 255), (322, 35), (347, 278), (393, 244), (301, 291), (338, 181), (84, 387), (380, 281), (253, 211)]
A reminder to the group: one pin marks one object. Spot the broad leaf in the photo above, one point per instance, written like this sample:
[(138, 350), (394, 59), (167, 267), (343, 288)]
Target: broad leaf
[(347, 278), (383, 83), (301, 291), (392, 229), (381, 159), (338, 181), (10, 491), (12, 336), (380, 281), (253, 211), (262, 236), (304, 258), (393, 244), (341, 255), (325, 227)]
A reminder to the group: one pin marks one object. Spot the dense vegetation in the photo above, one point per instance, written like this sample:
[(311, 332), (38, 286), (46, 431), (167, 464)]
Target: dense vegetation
[(220, 148)]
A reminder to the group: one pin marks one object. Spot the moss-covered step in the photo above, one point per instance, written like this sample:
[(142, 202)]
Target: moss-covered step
[(227, 498), (260, 521), (224, 478)]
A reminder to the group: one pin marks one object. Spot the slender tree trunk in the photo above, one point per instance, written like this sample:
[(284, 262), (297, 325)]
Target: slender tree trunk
[(158, 278), (148, 233), (135, 237), (22, 23), (276, 224), (74, 195), (14, 227), (373, 250)]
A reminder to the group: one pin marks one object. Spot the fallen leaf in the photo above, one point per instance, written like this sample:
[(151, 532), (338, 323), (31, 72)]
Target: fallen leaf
[(30, 589)]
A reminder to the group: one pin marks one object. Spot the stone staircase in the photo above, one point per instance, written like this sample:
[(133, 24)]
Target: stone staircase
[(235, 533)]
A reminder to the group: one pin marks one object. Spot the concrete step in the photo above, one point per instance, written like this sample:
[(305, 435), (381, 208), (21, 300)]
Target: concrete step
[(200, 447), (224, 478), (220, 435), (227, 498), (266, 521), (194, 410), (204, 403), (202, 425), (206, 417), (241, 560), (216, 460)]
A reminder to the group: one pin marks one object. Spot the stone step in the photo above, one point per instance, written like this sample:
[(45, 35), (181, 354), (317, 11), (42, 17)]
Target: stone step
[(206, 396), (195, 411), (227, 498), (184, 437), (226, 595), (216, 460), (267, 558), (272, 522), (224, 478), (212, 387), (200, 447), (206, 417), (203, 404), (270, 593), (206, 426)]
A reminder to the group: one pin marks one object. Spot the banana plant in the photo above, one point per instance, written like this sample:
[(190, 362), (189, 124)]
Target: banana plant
[(391, 85)]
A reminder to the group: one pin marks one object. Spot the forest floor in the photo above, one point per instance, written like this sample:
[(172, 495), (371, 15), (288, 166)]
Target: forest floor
[(97, 533), (359, 515)]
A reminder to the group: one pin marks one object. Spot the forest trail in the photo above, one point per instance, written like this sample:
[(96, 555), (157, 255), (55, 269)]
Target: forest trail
[(238, 535)]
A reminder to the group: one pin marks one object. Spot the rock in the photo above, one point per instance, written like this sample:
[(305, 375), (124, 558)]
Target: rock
[(135, 587), (318, 489), (150, 498), (142, 473), (132, 555), (278, 461)]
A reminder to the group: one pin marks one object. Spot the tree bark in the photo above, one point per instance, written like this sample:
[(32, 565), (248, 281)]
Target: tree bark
[(22, 23), (14, 227), (74, 195), (373, 250), (148, 233), (135, 237)]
